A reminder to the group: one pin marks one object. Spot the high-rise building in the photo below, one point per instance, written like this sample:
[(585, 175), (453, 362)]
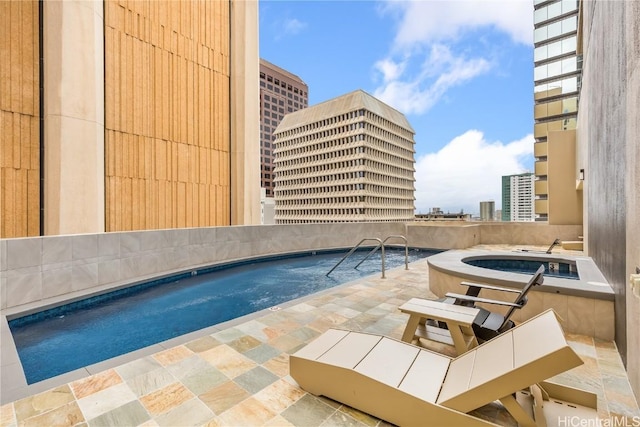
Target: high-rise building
[(281, 93), (349, 159), (487, 210), (124, 116), (557, 71), (518, 197)]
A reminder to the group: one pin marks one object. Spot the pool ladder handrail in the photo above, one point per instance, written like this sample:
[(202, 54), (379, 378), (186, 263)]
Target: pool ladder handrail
[(379, 246)]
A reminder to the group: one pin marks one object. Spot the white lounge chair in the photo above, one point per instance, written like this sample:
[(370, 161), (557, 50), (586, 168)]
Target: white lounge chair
[(408, 385)]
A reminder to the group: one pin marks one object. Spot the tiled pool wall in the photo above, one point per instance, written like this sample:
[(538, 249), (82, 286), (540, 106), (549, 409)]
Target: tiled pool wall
[(42, 271)]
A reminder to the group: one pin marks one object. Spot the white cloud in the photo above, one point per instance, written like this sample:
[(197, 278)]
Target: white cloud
[(439, 72), (428, 21), (287, 27), (468, 170), (426, 60), (293, 26)]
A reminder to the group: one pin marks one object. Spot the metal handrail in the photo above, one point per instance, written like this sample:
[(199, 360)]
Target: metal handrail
[(380, 246), (406, 248), (356, 247)]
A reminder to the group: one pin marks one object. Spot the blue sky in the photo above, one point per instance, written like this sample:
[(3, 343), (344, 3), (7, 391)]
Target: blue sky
[(460, 70)]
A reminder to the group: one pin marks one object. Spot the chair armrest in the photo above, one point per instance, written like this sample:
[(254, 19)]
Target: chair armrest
[(491, 287), (460, 297)]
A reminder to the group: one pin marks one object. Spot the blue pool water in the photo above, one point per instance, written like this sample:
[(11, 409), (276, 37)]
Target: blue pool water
[(82, 333), (551, 269)]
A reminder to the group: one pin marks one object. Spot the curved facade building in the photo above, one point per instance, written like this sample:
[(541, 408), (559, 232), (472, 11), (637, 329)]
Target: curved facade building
[(349, 159)]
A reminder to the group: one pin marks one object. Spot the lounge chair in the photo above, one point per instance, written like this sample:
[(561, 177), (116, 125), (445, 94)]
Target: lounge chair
[(488, 324), (555, 243), (408, 385)]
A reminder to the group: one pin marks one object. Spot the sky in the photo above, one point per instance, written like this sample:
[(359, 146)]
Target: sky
[(461, 71)]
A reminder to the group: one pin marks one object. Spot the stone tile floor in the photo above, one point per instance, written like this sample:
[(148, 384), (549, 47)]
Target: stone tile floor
[(240, 376)]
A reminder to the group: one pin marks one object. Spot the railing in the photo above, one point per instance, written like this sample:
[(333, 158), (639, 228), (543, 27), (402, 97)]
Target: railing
[(379, 246)]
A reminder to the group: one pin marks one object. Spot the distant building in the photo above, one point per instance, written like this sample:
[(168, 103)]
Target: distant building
[(349, 159), (267, 208), (487, 210), (518, 197), (280, 93), (557, 75), (436, 214)]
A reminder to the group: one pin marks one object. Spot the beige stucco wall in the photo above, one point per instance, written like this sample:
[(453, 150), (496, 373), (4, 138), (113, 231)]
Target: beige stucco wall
[(245, 113), (73, 117), (565, 201)]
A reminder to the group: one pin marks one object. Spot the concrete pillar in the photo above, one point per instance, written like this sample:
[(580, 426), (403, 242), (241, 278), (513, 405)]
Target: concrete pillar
[(73, 117)]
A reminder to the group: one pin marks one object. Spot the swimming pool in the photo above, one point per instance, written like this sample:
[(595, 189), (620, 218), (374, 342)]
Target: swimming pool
[(65, 338)]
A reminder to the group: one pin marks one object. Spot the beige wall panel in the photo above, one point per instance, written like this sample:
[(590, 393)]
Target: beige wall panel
[(166, 95), (19, 119)]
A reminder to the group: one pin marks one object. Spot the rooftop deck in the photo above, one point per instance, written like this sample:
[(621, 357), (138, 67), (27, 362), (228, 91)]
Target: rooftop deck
[(239, 375)]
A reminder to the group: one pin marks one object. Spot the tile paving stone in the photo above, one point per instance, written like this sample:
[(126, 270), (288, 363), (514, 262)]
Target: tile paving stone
[(188, 367), (105, 400), (228, 361), (279, 395), (255, 329), (305, 334), (244, 343), (193, 412), (202, 344), (150, 381), (173, 355), (7, 415), (42, 402), (341, 419), (262, 353), (249, 412), (224, 396), (228, 335), (204, 380), (278, 421), (95, 383), (308, 411), (137, 367), (167, 398), (279, 365), (286, 343), (256, 379), (361, 417), (130, 414), (68, 414)]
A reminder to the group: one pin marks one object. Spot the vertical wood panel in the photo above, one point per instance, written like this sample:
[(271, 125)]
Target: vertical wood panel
[(167, 113), (19, 119)]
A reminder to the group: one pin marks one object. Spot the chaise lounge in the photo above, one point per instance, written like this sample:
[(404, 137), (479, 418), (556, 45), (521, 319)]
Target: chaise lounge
[(408, 385)]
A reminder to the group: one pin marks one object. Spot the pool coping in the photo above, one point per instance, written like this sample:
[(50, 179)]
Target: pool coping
[(591, 282), (13, 383)]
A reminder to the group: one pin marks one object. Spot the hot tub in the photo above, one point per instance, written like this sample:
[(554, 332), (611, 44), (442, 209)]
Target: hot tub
[(584, 303)]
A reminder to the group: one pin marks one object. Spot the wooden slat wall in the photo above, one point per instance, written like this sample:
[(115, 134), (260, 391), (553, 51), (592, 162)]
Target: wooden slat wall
[(19, 119), (166, 114)]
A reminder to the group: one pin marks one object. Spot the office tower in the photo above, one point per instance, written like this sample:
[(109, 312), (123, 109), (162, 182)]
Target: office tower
[(487, 210), (126, 116), (349, 159), (557, 82), (518, 197), (281, 93)]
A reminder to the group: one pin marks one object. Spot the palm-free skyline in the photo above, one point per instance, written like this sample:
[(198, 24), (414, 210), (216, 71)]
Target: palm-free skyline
[(460, 70)]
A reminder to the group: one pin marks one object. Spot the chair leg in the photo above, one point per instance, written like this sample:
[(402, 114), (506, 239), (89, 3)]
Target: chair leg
[(516, 411)]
